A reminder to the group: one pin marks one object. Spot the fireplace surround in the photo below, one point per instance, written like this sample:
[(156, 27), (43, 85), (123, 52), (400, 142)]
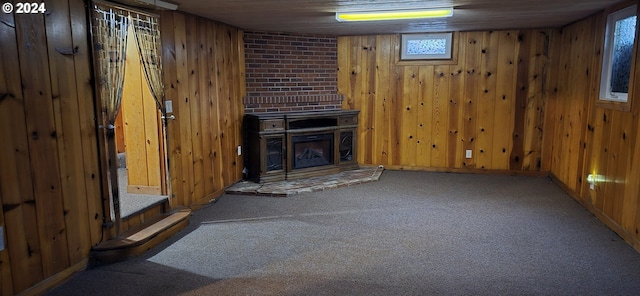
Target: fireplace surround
[(294, 145)]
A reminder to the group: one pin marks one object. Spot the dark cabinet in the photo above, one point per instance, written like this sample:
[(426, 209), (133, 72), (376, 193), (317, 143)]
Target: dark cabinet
[(294, 145)]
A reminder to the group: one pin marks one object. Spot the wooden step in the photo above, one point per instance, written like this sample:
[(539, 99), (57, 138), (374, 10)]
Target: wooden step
[(141, 239)]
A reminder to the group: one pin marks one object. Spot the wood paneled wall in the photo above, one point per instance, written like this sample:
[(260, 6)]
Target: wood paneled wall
[(591, 139), (425, 115), (204, 77), (140, 128), (49, 173)]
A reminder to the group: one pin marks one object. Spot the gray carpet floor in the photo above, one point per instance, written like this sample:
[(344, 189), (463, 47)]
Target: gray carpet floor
[(410, 233), (130, 202)]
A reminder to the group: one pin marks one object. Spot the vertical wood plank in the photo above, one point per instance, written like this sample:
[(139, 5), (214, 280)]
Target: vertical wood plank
[(40, 120), (588, 161), (355, 92), (523, 86), (218, 166), (16, 185), (65, 103), (169, 64), (195, 98), (408, 139), (6, 283), (425, 116), (205, 104), (183, 117), (455, 146), (550, 99), (344, 69), (473, 72), (505, 97), (223, 101), (440, 120), (87, 115), (596, 39), (630, 217), (239, 83), (380, 147), (596, 129), (234, 98), (396, 83), (610, 199), (604, 152), (152, 134), (486, 99), (582, 110), (563, 77), (534, 112), (367, 96), (623, 140)]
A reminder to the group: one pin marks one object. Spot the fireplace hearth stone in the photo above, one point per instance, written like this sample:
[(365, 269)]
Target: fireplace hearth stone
[(286, 188)]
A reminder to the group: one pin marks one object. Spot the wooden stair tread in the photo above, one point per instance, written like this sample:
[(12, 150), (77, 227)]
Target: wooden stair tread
[(143, 239)]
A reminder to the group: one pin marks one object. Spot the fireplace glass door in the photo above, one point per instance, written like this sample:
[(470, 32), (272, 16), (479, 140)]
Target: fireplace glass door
[(312, 150), (346, 146), (274, 153)]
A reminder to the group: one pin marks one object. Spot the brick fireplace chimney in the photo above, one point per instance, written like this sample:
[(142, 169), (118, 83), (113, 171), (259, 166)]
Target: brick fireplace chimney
[(286, 72)]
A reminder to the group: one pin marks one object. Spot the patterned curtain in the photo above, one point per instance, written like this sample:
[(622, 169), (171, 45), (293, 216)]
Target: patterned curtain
[(109, 27), (147, 33)]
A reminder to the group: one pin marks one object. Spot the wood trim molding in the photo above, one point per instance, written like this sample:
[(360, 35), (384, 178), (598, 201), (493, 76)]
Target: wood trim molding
[(139, 189), (617, 228), (469, 171), (56, 279)]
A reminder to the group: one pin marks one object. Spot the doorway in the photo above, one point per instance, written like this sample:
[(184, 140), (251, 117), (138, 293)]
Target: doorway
[(139, 140), (128, 69)]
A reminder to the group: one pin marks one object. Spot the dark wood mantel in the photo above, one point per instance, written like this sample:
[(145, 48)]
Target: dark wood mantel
[(270, 140)]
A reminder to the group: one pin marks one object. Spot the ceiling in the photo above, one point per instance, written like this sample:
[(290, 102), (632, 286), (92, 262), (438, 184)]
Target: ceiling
[(318, 16)]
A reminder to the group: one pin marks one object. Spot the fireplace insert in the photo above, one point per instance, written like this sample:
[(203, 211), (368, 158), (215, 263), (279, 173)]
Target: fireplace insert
[(312, 150)]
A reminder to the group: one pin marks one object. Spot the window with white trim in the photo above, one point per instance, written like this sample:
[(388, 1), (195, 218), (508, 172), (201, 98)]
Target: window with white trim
[(432, 46), (618, 55)]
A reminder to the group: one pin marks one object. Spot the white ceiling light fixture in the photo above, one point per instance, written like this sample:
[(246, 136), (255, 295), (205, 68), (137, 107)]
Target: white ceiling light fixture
[(363, 16)]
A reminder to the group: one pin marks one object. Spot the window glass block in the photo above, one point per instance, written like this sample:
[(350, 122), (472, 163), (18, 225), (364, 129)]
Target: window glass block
[(427, 46), (624, 36)]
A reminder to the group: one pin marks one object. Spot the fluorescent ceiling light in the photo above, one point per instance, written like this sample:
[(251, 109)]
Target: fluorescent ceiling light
[(393, 15)]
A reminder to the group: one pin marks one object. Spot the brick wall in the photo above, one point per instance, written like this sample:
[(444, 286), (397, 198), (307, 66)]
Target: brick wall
[(287, 72)]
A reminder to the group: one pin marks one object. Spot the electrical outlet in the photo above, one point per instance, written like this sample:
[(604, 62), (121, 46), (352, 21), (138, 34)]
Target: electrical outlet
[(239, 150), (168, 106), (468, 154)]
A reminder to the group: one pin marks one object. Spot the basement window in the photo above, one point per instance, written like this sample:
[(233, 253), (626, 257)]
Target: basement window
[(618, 55), (433, 46)]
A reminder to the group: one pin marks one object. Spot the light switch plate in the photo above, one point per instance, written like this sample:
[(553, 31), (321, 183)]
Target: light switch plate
[(168, 106), (468, 154)]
